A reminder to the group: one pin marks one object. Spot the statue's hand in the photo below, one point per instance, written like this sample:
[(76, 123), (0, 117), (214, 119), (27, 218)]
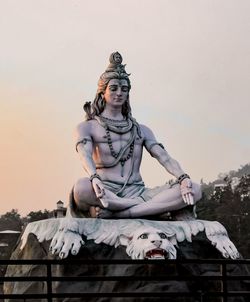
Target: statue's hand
[(66, 241), (98, 187), (187, 191), (225, 246), (217, 234)]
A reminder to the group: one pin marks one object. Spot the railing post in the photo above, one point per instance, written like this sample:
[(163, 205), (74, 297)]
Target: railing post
[(49, 283), (224, 281), (201, 295)]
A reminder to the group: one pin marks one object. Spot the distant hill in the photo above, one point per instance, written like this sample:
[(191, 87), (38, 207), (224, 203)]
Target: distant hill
[(229, 206), (243, 170)]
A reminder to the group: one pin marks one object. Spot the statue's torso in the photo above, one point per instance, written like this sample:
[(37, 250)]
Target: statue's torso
[(102, 154)]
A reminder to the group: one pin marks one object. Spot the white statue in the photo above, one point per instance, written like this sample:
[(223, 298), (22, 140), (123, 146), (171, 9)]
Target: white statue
[(142, 238), (110, 144)]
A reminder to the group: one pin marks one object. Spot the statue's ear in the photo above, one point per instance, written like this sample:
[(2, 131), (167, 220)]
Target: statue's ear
[(124, 240)]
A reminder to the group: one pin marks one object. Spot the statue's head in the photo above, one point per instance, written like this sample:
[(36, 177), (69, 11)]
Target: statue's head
[(115, 70)]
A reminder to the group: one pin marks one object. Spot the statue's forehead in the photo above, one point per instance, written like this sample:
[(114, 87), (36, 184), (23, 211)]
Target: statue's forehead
[(146, 229), (120, 82)]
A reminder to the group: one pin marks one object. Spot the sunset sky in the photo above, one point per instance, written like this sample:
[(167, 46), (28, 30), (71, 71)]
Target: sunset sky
[(190, 71)]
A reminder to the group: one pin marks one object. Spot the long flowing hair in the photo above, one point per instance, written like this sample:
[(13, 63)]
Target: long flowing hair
[(98, 105)]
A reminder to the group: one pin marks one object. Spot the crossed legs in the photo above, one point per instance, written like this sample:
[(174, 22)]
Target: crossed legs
[(166, 201), (85, 198)]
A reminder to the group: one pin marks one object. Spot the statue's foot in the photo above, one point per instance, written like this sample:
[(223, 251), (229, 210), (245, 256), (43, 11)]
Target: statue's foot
[(92, 212), (115, 203), (103, 213)]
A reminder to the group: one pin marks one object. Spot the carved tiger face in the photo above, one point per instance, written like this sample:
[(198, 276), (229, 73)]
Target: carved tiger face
[(149, 243)]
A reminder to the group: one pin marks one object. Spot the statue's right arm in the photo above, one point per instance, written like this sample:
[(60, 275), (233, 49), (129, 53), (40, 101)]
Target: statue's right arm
[(84, 146)]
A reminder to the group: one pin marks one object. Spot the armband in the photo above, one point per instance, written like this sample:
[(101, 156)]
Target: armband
[(155, 143), (161, 145), (95, 176), (83, 141), (149, 146), (182, 177)]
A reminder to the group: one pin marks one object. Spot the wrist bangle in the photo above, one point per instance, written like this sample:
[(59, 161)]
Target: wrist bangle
[(94, 176), (182, 177)]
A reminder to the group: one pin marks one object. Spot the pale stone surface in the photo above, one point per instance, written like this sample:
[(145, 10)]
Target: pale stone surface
[(199, 248), (66, 235)]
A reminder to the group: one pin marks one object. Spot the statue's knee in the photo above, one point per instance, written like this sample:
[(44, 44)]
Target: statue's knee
[(82, 189), (197, 192)]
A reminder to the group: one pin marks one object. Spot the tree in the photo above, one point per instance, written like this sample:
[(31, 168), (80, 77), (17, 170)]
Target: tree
[(38, 215), (11, 221), (232, 209), (243, 188)]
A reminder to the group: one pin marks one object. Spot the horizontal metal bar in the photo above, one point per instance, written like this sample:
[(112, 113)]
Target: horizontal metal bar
[(104, 294), (123, 278), (136, 278), (237, 293), (23, 296), (23, 279), (228, 293), (122, 261), (123, 294)]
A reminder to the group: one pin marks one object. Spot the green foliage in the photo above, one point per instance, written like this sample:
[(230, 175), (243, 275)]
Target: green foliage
[(232, 209), (11, 221), (38, 215)]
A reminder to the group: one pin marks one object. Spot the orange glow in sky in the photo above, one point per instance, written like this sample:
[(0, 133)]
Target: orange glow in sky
[(190, 73)]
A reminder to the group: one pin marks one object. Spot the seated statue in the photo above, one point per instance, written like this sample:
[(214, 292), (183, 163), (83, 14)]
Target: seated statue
[(110, 143)]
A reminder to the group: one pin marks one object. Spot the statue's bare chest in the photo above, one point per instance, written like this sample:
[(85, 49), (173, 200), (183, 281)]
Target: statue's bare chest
[(100, 135), (103, 140)]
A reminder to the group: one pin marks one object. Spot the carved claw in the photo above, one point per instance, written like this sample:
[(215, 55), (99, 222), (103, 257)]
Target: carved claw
[(73, 252), (61, 255), (225, 246), (65, 242)]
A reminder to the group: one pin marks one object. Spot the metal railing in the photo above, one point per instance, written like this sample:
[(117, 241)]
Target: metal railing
[(222, 276)]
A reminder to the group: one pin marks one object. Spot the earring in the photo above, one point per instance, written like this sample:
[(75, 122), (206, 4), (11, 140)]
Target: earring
[(102, 102)]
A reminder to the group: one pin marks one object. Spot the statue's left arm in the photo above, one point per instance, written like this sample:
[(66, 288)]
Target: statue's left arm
[(158, 151)]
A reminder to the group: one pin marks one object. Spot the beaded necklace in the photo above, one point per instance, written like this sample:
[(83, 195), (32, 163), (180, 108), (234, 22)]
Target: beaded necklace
[(116, 126), (119, 127), (115, 155)]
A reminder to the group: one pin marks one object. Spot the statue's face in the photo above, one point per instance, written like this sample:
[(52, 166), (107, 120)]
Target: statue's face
[(116, 93)]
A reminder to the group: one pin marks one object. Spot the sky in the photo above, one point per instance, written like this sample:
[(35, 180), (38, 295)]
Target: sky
[(190, 72)]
